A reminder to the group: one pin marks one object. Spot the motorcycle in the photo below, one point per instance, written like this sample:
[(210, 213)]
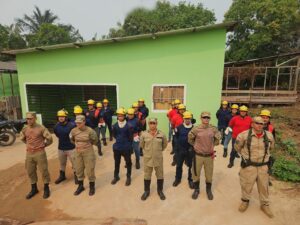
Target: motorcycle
[(8, 131)]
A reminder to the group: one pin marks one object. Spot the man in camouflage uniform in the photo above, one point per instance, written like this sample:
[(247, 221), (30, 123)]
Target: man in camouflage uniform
[(254, 147), (153, 142), (36, 137), (84, 138)]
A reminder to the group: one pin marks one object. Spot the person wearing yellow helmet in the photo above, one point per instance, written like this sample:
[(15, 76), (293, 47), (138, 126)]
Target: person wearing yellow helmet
[(177, 120), (108, 113), (101, 128), (145, 112), (221, 115), (137, 113), (184, 149), (62, 131), (238, 124), (170, 114), (93, 121), (265, 114), (136, 128), (123, 146), (228, 130)]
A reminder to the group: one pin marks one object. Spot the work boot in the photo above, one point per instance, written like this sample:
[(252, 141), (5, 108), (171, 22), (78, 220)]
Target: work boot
[(146, 190), (99, 150), (173, 163), (128, 181), (33, 191), (176, 182), (266, 209), (237, 155), (191, 184), (92, 188), (104, 141), (75, 178), (62, 177), (270, 183), (115, 180), (80, 188), (196, 190), (208, 191), (172, 152), (231, 162), (160, 185), (244, 205), (137, 164), (46, 191), (141, 152), (110, 138), (225, 153)]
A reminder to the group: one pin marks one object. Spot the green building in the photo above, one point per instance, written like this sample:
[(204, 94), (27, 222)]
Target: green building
[(160, 67)]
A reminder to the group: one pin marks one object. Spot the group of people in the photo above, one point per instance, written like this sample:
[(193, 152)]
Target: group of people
[(191, 144)]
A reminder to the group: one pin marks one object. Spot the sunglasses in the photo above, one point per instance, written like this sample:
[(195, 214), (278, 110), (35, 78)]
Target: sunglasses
[(259, 123), (206, 117)]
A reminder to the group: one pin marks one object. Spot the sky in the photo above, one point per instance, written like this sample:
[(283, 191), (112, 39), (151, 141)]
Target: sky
[(93, 16)]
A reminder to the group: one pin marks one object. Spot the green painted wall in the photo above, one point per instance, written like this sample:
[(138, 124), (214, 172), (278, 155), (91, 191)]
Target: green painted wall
[(8, 87), (193, 59)]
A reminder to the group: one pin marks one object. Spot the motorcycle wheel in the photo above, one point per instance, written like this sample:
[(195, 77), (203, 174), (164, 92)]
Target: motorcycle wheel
[(7, 138)]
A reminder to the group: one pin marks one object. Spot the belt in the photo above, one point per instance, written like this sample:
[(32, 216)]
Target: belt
[(204, 154)]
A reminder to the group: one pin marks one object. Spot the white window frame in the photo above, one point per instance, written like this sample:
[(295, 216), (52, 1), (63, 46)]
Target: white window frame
[(166, 85)]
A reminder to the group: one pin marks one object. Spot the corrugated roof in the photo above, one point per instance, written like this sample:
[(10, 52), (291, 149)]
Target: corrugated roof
[(228, 25), (8, 66)]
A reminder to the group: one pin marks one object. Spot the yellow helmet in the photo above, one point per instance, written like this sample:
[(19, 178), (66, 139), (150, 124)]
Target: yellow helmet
[(62, 113), (78, 109), (121, 111), (265, 112), (187, 115), (177, 101), (99, 105), (224, 103), (141, 100), (135, 105), (105, 100), (130, 111), (90, 102), (244, 108), (181, 106), (235, 106)]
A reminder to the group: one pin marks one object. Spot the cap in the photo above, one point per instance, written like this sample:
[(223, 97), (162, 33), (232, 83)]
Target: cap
[(153, 120), (80, 119), (30, 115), (258, 119), (205, 114)]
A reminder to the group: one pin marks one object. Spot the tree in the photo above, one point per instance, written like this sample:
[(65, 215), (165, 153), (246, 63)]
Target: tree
[(163, 17), (32, 23), (264, 28), (50, 34)]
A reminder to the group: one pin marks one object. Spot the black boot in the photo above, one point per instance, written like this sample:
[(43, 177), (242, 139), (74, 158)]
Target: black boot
[(208, 191), (46, 191), (137, 164), (75, 178), (191, 184), (62, 177), (33, 191), (92, 188), (231, 161), (196, 190), (99, 150), (115, 180), (146, 190), (128, 181), (80, 188), (172, 152), (160, 186), (104, 141), (176, 182), (141, 152), (225, 153), (110, 138)]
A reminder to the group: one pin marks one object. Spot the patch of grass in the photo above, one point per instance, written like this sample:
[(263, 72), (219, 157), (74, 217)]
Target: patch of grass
[(286, 170)]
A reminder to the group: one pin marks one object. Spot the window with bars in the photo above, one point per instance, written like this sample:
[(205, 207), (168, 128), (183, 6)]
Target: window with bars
[(163, 95)]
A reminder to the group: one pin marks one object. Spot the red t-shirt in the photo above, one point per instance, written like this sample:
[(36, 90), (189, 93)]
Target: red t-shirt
[(176, 120), (171, 113), (240, 124)]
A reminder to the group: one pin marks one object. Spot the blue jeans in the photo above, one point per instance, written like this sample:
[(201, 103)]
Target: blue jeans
[(227, 140), (136, 149)]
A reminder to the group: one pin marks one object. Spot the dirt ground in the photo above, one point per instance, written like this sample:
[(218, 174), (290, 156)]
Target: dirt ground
[(124, 202)]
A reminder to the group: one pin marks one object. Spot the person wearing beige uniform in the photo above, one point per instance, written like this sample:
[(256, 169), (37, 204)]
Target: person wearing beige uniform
[(85, 159), (254, 146), (154, 142), (203, 138), (37, 138)]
